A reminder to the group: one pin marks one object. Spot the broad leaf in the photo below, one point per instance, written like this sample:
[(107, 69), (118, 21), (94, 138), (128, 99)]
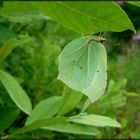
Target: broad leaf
[(45, 109), (70, 100), (74, 129), (83, 67), (89, 18), (15, 91), (95, 120), (7, 117), (95, 17), (7, 49)]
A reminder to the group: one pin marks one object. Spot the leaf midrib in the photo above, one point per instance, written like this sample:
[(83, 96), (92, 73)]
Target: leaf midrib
[(91, 17)]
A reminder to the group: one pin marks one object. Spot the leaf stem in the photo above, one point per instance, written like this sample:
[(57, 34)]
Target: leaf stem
[(86, 105)]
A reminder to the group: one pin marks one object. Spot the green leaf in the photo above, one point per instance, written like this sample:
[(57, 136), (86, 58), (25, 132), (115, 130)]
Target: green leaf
[(70, 100), (18, 8), (74, 129), (135, 134), (45, 109), (95, 120), (24, 12), (15, 91), (40, 124), (6, 34), (89, 18), (115, 101), (7, 49), (137, 3), (132, 94), (7, 117), (83, 67)]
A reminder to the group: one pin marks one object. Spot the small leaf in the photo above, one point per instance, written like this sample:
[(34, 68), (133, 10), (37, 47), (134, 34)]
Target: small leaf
[(7, 117), (89, 18), (45, 109), (72, 128), (132, 94), (70, 99), (83, 67), (95, 120), (15, 91), (7, 49)]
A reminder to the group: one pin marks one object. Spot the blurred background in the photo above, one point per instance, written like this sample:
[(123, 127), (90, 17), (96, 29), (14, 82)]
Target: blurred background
[(34, 63)]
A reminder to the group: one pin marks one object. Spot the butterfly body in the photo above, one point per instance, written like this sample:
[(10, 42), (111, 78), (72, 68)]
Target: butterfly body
[(89, 39)]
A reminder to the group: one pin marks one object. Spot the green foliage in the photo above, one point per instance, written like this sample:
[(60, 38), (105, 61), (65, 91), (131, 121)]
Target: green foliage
[(89, 12), (94, 17), (15, 91), (115, 97), (18, 7), (31, 43), (6, 34), (39, 124), (74, 129), (68, 100), (45, 109), (95, 120), (8, 116)]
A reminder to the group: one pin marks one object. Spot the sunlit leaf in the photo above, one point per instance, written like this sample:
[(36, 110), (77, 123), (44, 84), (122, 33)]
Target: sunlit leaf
[(74, 129), (95, 120), (45, 109), (87, 18), (15, 91)]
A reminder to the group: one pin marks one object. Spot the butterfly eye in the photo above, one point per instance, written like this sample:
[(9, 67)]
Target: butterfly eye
[(102, 41)]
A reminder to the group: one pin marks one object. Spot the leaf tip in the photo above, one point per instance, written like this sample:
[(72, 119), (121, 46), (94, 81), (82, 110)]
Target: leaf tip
[(119, 125)]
